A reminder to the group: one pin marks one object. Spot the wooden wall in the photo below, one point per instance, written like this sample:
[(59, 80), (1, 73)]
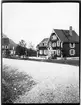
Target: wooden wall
[(67, 49)]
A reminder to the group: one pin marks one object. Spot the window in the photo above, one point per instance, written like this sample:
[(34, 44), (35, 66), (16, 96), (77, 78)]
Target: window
[(54, 44), (50, 44), (6, 47), (45, 52), (54, 52), (50, 48), (58, 43), (41, 52), (14, 52), (11, 51), (43, 44), (2, 46), (61, 45), (58, 52), (72, 45), (72, 52), (54, 37), (13, 47)]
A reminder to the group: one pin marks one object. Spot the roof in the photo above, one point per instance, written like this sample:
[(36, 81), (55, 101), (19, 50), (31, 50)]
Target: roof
[(8, 41), (4, 36), (45, 41), (65, 36)]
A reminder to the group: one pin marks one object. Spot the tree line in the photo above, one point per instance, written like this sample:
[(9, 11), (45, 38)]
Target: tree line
[(22, 50)]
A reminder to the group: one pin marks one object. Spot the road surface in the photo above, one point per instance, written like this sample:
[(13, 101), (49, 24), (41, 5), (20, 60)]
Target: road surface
[(49, 76)]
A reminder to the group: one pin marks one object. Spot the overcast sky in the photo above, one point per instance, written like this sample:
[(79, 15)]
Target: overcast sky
[(35, 21)]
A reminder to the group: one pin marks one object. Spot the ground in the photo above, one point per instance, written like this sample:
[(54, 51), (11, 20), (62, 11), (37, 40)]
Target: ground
[(55, 82)]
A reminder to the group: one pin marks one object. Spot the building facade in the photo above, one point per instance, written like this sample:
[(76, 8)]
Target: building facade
[(7, 45), (61, 43), (42, 48)]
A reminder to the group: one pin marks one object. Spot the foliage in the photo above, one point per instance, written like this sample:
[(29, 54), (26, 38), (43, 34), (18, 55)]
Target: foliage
[(7, 53), (44, 93), (22, 43), (31, 46), (31, 52), (20, 50), (14, 83), (64, 53)]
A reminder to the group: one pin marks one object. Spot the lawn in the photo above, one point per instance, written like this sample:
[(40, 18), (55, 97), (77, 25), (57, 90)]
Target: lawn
[(68, 61), (74, 62)]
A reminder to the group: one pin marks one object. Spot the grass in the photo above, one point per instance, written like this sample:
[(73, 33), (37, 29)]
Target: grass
[(14, 83), (60, 61), (61, 94)]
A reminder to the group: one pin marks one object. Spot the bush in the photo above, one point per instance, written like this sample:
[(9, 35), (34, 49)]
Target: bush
[(31, 52), (14, 83), (20, 50)]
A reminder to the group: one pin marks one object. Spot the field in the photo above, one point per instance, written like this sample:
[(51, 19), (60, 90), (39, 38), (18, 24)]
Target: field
[(55, 83)]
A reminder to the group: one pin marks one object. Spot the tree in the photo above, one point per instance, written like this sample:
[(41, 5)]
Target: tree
[(64, 53), (22, 43), (31, 46), (18, 50), (7, 52), (21, 48)]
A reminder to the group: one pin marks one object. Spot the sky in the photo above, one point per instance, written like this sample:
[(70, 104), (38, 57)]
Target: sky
[(33, 22)]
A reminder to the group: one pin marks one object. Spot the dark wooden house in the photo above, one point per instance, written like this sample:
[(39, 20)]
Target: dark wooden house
[(61, 43)]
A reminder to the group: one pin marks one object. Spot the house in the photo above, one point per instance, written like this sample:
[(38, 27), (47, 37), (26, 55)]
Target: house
[(61, 43), (8, 44), (42, 48)]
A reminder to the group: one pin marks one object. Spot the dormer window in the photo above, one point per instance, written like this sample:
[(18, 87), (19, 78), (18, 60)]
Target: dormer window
[(72, 45), (54, 44)]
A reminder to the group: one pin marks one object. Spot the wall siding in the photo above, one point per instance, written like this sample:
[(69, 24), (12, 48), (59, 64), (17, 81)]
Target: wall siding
[(67, 48)]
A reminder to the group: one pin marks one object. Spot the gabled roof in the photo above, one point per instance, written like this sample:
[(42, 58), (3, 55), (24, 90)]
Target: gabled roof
[(8, 41), (4, 36), (5, 41), (65, 37), (45, 41)]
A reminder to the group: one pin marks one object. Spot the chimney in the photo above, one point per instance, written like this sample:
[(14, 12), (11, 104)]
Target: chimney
[(70, 30)]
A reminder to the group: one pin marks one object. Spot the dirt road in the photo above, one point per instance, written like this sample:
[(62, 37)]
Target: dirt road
[(57, 83)]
